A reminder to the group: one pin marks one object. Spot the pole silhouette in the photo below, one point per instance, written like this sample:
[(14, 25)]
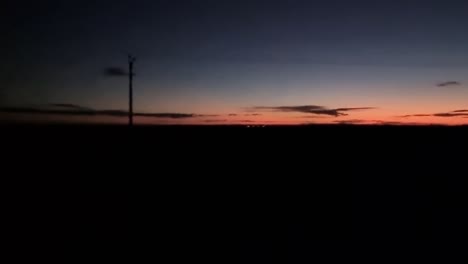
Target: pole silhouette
[(131, 61)]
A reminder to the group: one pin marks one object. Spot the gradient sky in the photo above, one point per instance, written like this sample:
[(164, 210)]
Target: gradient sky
[(221, 59)]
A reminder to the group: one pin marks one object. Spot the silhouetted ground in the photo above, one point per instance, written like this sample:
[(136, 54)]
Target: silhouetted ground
[(243, 195)]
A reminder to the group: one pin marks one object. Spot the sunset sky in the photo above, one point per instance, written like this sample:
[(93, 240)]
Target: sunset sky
[(237, 62)]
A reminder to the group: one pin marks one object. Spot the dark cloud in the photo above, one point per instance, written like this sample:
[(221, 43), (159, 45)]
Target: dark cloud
[(168, 115), (351, 121), (256, 114), (312, 109), (452, 114), (418, 115), (448, 114), (388, 123), (115, 71), (313, 116), (354, 109), (450, 83), (373, 122), (301, 108), (28, 110), (76, 110), (246, 121), (232, 115), (215, 121), (70, 106)]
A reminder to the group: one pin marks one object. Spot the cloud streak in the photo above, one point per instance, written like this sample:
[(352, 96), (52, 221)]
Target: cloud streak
[(447, 84), (450, 114), (27, 110), (115, 72), (417, 115), (351, 122), (312, 116), (215, 121), (75, 110), (167, 115), (311, 109), (455, 113), (375, 123), (70, 107)]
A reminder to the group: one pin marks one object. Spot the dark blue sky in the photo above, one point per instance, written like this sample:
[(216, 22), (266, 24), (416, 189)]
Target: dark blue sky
[(210, 56)]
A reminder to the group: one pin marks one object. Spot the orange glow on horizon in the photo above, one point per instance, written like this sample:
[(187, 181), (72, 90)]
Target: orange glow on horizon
[(249, 118)]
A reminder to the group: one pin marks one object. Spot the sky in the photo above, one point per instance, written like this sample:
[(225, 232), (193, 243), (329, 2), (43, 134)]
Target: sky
[(236, 62)]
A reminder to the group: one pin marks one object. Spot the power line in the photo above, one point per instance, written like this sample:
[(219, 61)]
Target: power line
[(131, 62)]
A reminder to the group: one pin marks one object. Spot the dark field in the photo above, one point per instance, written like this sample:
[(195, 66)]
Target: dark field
[(241, 195)]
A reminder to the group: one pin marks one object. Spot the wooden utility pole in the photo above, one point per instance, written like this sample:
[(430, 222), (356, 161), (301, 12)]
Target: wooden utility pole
[(131, 61)]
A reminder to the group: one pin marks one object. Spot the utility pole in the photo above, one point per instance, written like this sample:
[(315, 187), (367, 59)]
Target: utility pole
[(131, 61)]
